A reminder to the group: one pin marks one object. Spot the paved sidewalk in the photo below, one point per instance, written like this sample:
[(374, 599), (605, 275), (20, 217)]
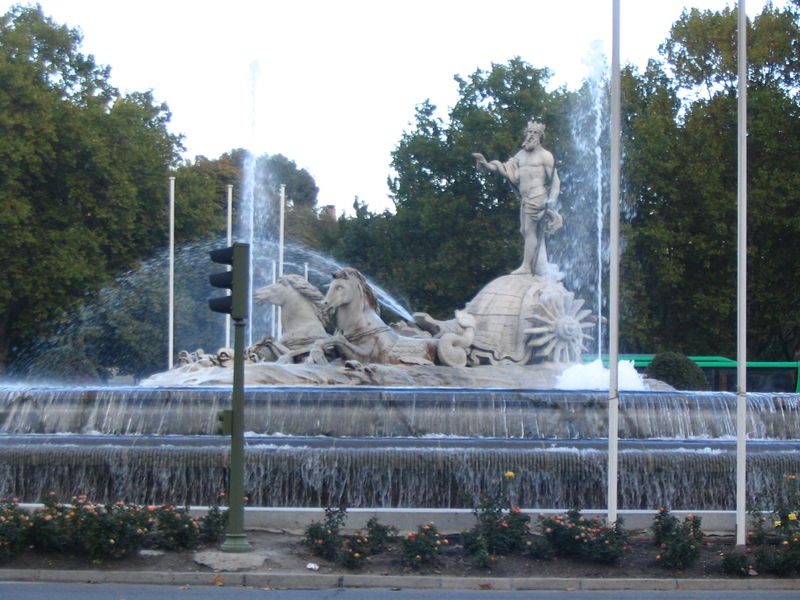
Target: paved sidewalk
[(311, 580)]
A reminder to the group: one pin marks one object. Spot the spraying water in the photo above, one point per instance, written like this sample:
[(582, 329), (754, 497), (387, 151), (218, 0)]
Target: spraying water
[(582, 252), (120, 328), (598, 73), (594, 376)]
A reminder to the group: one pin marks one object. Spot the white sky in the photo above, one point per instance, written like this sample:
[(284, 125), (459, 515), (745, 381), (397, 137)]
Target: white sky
[(336, 83)]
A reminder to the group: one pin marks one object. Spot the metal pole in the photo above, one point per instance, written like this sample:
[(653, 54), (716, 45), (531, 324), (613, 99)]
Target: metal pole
[(230, 242), (613, 280), (305, 270), (274, 308), (171, 283), (281, 243), (741, 280), (235, 538)]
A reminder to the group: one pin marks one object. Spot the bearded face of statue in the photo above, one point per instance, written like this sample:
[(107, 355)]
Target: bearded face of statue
[(533, 138)]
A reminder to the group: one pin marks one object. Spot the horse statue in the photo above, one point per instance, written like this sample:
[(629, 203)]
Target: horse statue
[(303, 319), (361, 334)]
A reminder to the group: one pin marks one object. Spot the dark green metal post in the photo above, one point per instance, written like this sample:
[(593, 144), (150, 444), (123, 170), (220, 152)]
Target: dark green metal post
[(235, 538)]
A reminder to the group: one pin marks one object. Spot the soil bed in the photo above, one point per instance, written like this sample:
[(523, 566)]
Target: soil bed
[(284, 552)]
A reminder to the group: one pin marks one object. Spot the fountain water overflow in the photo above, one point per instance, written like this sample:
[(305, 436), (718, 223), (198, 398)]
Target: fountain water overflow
[(391, 447), (377, 438)]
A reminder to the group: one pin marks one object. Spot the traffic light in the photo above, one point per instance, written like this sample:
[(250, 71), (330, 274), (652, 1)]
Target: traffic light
[(236, 280)]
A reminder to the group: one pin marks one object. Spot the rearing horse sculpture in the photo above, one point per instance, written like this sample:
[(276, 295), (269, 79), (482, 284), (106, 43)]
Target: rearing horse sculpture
[(303, 319), (362, 335)]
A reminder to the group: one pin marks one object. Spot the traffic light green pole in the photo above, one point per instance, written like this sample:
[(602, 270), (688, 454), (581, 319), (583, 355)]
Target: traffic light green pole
[(235, 538)]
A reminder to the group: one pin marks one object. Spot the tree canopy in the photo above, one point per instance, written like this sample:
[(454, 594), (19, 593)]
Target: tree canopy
[(453, 231), (82, 173)]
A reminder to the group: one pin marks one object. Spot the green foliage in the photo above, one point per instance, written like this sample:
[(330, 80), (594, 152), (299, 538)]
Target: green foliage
[(103, 532), (323, 539), (737, 563), (354, 551), (679, 543), (702, 48), (379, 535), (443, 206), (775, 542), (576, 536), (83, 173), (14, 526), (677, 370), (212, 525), (539, 548), (84, 168), (680, 189), (174, 528), (110, 531), (50, 526), (301, 189), (423, 547), (500, 528)]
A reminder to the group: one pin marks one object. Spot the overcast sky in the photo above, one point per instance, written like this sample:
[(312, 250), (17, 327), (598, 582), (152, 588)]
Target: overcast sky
[(333, 85)]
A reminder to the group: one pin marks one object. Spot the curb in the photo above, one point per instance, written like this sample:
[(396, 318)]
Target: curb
[(309, 581)]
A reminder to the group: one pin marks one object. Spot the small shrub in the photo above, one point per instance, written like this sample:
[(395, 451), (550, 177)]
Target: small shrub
[(14, 526), (678, 370), (539, 549), (378, 535), (588, 539), (608, 545), (212, 525), (664, 524), (354, 551), (174, 528), (500, 528), (679, 543), (323, 539), (423, 547), (104, 532), (51, 526), (736, 563), (776, 540)]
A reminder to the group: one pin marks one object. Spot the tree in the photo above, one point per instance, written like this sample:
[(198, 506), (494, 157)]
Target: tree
[(701, 49), (455, 230), (82, 173), (679, 279)]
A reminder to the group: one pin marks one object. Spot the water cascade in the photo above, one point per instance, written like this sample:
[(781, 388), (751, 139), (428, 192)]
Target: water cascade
[(384, 447)]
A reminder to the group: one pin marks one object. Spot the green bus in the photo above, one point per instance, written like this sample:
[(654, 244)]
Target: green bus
[(780, 376)]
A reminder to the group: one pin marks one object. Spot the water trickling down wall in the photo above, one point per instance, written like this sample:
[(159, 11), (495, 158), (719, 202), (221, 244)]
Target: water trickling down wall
[(390, 447)]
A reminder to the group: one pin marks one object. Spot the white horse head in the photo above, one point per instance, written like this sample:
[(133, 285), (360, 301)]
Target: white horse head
[(348, 288), (300, 302)]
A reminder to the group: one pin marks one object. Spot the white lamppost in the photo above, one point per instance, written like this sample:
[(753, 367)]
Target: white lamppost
[(171, 283), (741, 282), (282, 224), (613, 279)]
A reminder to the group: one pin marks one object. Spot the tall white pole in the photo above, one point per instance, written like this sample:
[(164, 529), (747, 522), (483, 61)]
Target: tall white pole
[(229, 239), (613, 279), (274, 309), (171, 283), (281, 247), (741, 280)]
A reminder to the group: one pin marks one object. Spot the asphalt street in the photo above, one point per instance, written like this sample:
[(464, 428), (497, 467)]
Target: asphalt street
[(82, 591)]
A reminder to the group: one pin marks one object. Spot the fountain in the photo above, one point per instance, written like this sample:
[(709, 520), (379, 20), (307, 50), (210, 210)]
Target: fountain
[(409, 428)]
